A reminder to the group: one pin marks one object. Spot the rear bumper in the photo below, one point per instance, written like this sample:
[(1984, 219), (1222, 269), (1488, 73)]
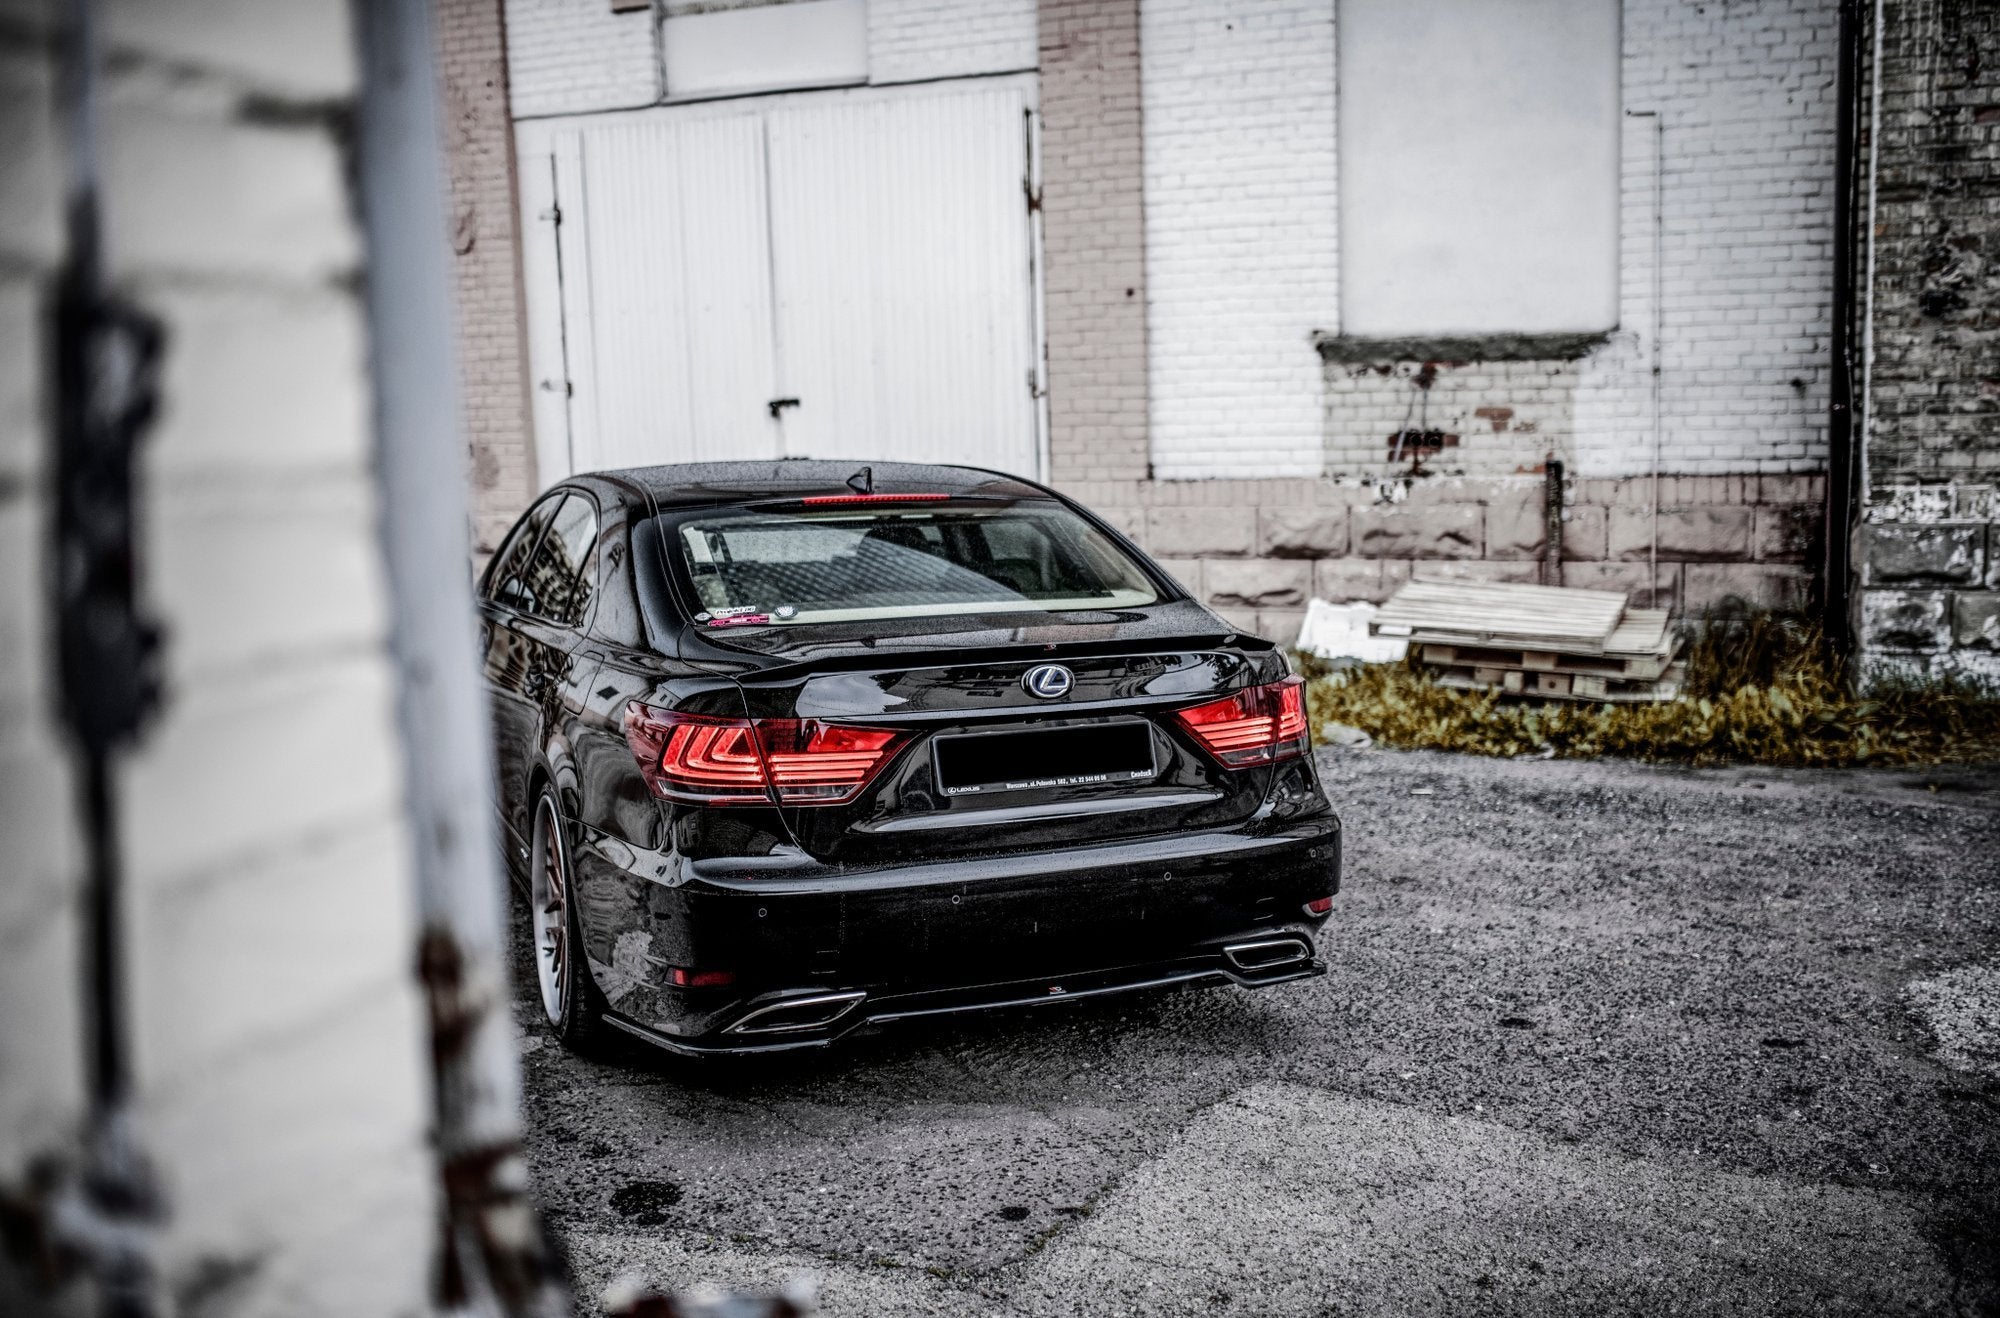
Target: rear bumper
[(817, 951)]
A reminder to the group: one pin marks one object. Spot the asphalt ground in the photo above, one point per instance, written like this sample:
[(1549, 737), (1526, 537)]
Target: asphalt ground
[(1596, 1038)]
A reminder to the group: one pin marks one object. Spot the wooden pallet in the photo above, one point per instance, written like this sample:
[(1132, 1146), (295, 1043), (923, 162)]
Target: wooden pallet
[(1502, 615), (1567, 686), (1641, 648)]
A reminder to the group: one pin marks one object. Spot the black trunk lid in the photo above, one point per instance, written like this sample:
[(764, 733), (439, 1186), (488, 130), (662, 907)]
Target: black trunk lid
[(989, 766)]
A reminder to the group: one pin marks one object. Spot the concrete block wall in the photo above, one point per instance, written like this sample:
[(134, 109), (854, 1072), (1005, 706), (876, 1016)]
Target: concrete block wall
[(1257, 550), (1929, 601), (492, 354), (279, 1045), (1929, 604)]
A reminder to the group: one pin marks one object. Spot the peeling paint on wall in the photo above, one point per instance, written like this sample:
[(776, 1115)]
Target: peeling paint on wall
[(1448, 417)]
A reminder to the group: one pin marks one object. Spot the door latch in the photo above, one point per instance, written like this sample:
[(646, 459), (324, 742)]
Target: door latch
[(778, 405)]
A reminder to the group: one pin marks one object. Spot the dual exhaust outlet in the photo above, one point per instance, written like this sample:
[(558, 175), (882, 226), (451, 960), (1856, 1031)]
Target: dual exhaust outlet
[(819, 1011)]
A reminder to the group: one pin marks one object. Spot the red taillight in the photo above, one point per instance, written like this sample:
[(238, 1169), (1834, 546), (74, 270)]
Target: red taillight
[(1319, 906), (725, 761), (1258, 725), (683, 977), (821, 500)]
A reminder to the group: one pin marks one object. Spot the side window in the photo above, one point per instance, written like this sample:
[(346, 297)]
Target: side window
[(570, 543), (507, 580), (616, 615)]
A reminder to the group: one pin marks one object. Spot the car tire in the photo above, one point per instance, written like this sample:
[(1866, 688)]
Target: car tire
[(571, 1000)]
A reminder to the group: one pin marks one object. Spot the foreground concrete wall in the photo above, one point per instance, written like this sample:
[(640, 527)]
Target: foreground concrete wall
[(278, 1040), (1930, 542)]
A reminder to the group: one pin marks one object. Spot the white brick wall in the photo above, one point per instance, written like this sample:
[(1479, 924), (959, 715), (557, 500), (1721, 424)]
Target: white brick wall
[(573, 56), (914, 39), (1241, 249), (1241, 233), (576, 56), (278, 1035)]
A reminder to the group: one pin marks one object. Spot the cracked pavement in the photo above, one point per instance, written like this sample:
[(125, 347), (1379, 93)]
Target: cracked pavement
[(1595, 1037)]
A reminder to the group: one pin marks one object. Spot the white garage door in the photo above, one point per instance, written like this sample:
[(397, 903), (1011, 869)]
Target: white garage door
[(839, 275)]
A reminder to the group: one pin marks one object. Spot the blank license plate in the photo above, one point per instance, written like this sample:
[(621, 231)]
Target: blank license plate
[(1051, 757)]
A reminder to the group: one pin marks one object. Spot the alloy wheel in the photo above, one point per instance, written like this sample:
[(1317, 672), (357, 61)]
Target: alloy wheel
[(548, 902)]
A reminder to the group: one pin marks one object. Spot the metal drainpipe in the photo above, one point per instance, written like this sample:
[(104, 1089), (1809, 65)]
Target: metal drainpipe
[(1836, 566), (493, 1257), (1862, 486), (1658, 336)]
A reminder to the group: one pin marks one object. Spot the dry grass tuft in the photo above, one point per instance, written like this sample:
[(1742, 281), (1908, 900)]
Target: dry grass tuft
[(1762, 688)]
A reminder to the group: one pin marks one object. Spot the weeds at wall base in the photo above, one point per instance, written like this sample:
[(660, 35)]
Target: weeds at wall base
[(1761, 689)]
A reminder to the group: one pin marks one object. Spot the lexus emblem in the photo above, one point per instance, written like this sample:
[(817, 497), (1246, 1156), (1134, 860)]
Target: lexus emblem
[(1048, 681)]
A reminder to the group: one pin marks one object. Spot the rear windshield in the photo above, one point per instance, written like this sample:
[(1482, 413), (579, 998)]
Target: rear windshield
[(752, 567)]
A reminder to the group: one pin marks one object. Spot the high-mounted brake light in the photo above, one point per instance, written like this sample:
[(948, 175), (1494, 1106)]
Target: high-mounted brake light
[(1258, 725), (820, 500), (725, 761)]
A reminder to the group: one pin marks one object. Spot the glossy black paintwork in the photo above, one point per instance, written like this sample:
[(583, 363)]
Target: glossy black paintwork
[(922, 900)]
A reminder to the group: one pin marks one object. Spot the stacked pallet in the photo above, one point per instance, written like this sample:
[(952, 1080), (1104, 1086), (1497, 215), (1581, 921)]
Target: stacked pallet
[(1536, 640)]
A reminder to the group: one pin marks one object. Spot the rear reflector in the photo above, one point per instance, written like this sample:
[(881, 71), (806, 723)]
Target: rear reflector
[(724, 761), (682, 977), (1319, 906), (821, 500), (1258, 725)]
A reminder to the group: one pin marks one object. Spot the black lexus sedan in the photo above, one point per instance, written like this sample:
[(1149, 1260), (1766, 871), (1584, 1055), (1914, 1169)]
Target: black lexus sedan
[(790, 748)]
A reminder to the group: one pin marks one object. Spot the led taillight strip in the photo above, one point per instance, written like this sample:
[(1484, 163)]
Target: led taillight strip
[(709, 760), (1257, 725)]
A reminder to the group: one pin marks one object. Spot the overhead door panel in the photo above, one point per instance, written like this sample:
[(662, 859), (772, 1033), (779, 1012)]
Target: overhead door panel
[(690, 270), (679, 293), (899, 241)]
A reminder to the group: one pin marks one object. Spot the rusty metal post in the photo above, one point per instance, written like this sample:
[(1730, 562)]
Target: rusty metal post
[(1552, 512), (107, 1214), (493, 1256)]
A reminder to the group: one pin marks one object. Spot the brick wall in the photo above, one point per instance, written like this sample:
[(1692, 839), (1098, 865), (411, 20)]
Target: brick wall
[(1093, 240), (573, 56), (278, 1038), (1930, 543), (1242, 233), (909, 40), (492, 355), (576, 56), (1242, 262), (1249, 377)]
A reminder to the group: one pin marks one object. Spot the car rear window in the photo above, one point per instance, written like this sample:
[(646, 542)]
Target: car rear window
[(757, 567)]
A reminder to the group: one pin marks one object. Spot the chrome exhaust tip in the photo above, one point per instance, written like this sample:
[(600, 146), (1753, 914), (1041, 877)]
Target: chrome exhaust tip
[(815, 1011), (1267, 954)]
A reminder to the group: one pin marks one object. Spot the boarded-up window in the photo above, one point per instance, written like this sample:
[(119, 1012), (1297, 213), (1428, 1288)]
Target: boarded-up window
[(1478, 166), (728, 47)]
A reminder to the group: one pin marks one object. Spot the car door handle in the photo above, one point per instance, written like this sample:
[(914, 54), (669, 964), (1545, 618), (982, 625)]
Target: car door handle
[(777, 405)]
